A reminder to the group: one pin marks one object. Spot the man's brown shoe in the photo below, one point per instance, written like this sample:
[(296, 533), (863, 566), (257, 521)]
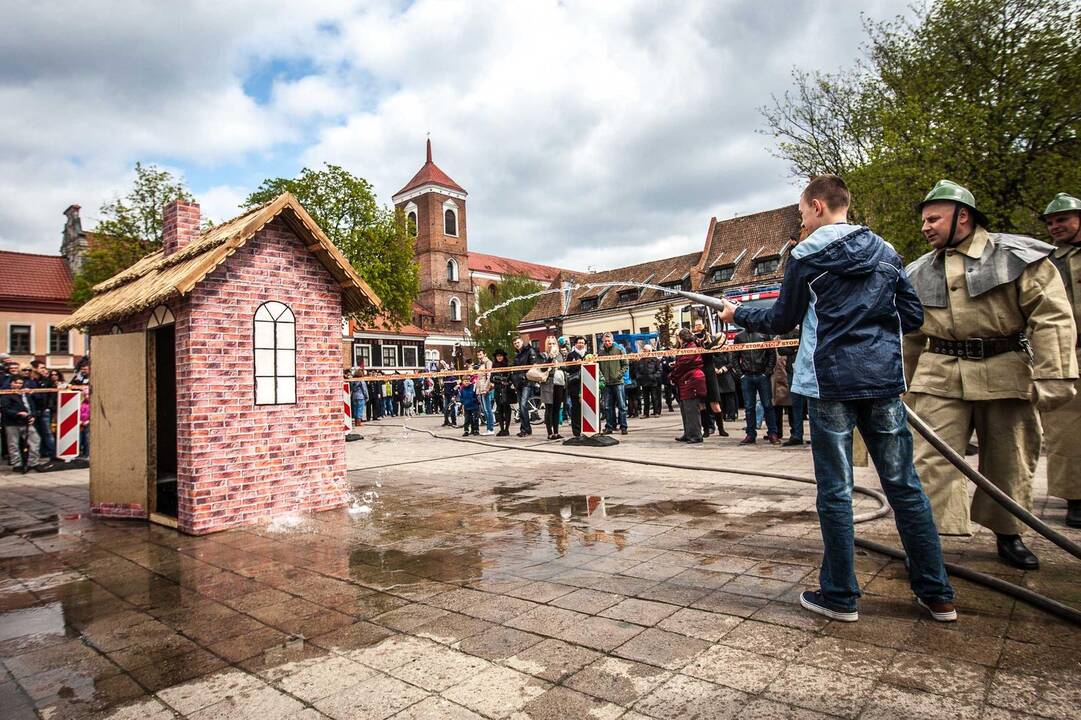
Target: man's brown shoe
[(940, 611)]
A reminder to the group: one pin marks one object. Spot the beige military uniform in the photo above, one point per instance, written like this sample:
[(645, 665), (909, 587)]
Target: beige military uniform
[(1062, 426), (995, 395)]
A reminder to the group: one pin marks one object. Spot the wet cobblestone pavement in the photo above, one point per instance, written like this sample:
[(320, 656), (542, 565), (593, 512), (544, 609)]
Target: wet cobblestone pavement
[(496, 583)]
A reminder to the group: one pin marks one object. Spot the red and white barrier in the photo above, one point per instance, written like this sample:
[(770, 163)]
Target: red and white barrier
[(348, 420), (67, 424), (591, 399)]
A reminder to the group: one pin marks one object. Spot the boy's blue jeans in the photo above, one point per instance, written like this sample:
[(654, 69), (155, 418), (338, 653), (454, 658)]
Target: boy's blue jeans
[(486, 407), (882, 424)]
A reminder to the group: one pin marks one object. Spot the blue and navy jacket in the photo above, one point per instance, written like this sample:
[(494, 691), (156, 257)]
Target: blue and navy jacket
[(847, 289)]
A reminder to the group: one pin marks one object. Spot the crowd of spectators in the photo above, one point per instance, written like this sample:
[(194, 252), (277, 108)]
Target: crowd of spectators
[(708, 387), (28, 407)]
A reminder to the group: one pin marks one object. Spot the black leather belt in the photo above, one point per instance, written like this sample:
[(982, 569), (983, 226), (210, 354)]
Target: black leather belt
[(978, 348)]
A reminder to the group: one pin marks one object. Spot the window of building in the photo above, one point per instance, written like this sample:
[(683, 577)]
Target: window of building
[(722, 274), (362, 355), (644, 330), (409, 357), (628, 295), (493, 289), (390, 356), (411, 223), (452, 270), (673, 285), (626, 331), (765, 267), (19, 339), (589, 303), (275, 355), (160, 316), (59, 341), (450, 220), (455, 309), (431, 356)]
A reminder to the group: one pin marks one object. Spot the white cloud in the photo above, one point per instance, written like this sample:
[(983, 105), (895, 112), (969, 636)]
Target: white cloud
[(586, 133), (221, 202)]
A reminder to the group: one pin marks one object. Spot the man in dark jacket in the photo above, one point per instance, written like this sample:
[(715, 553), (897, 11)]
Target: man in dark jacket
[(574, 384), (847, 289), (18, 414), (757, 368), (649, 380), (524, 356)]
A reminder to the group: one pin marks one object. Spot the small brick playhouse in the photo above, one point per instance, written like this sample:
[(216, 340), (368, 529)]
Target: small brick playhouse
[(216, 392)]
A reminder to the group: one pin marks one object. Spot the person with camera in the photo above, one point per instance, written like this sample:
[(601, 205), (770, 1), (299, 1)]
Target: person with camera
[(524, 356)]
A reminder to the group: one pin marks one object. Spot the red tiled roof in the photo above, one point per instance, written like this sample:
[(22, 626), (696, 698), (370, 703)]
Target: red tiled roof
[(28, 277), (430, 174), (743, 240), (483, 262)]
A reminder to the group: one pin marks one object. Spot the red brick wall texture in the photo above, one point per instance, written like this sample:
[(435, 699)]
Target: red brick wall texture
[(238, 462)]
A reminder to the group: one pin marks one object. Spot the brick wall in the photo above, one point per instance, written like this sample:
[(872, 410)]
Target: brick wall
[(180, 225), (240, 462)]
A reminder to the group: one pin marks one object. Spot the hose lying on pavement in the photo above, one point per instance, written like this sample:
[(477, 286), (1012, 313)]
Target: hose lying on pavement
[(988, 487), (1017, 592)]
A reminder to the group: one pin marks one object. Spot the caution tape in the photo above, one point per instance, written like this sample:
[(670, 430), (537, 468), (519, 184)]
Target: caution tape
[(394, 375)]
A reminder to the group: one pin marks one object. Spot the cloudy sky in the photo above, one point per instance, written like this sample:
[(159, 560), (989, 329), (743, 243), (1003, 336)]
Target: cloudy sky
[(588, 134)]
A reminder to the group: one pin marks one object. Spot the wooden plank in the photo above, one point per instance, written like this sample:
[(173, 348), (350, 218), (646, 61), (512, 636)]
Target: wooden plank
[(165, 520), (118, 466)]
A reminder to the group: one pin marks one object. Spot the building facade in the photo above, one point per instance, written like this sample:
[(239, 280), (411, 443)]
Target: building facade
[(742, 258)]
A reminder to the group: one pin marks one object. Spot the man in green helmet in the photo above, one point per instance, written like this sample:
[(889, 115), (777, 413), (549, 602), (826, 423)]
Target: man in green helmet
[(996, 345), (1062, 426)]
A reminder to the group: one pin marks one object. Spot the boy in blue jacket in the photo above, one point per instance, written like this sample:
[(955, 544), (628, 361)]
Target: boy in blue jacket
[(847, 289), (467, 393)]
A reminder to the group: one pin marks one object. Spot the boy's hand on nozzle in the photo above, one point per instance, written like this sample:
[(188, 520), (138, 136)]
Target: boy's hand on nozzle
[(728, 315)]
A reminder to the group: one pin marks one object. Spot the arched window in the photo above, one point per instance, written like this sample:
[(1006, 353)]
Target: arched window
[(452, 270), (455, 309), (275, 355), (160, 316), (493, 290), (411, 218), (450, 221)]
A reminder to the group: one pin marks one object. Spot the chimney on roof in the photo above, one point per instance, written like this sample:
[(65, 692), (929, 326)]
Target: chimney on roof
[(180, 225)]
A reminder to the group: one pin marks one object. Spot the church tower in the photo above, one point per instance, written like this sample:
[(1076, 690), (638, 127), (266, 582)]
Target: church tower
[(434, 206)]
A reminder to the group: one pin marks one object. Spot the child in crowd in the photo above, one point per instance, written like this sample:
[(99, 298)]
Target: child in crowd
[(84, 424), (467, 393)]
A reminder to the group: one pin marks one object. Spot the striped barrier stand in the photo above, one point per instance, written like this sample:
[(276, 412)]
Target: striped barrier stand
[(67, 424), (591, 410)]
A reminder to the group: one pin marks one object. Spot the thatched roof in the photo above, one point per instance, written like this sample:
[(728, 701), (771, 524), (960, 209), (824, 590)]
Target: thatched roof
[(158, 276)]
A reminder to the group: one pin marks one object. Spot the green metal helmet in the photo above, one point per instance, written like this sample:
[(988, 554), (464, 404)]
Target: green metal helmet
[(949, 191), (1062, 203)]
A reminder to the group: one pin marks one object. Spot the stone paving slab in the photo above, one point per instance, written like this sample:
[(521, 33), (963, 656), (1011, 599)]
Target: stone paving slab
[(525, 580)]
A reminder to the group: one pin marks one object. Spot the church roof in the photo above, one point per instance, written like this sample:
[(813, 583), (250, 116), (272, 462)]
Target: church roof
[(483, 262), (430, 174)]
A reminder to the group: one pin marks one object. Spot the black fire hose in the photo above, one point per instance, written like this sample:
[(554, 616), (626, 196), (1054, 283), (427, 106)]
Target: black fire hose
[(988, 487)]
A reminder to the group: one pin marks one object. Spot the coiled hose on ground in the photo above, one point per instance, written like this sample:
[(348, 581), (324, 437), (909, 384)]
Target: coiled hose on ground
[(1017, 592)]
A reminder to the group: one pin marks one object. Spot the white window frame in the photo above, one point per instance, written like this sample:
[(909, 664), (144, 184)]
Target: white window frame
[(49, 346), (406, 349), (20, 323), (411, 209), (356, 355), (160, 316), (452, 270), (383, 356), (455, 309), (453, 207), (274, 385)]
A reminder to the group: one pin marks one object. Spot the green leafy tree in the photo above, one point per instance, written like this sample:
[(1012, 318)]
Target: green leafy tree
[(499, 329), (666, 326), (376, 240), (130, 230), (983, 92)]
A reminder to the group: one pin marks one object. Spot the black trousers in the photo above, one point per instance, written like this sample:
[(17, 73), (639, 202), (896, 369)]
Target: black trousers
[(502, 416), (552, 409), (651, 399), (575, 390), (669, 396)]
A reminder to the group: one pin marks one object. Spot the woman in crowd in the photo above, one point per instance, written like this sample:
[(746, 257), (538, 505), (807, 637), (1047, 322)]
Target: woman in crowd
[(782, 400), (727, 383), (484, 391), (504, 393), (689, 381), (553, 389), (712, 417), (409, 396), (360, 398)]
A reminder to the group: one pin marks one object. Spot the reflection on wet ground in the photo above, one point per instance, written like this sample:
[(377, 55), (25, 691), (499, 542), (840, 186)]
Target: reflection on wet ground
[(504, 584)]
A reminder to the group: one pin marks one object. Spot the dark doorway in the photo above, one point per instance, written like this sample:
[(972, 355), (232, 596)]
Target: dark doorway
[(165, 418)]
